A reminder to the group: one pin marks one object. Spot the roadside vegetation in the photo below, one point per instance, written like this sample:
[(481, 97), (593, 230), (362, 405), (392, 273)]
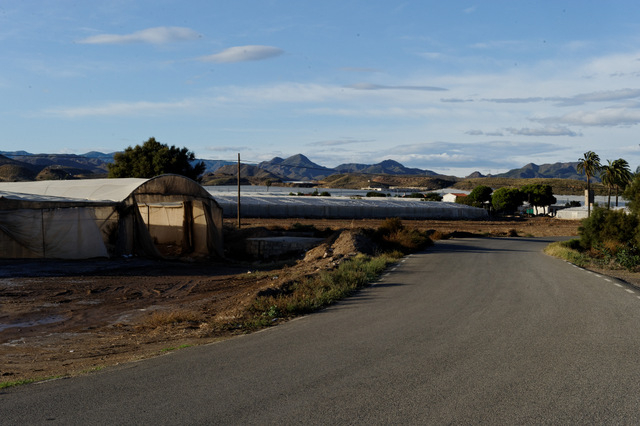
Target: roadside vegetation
[(319, 290), (609, 239)]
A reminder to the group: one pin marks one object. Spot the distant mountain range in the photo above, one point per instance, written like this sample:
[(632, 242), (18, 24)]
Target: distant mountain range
[(555, 170), (24, 166)]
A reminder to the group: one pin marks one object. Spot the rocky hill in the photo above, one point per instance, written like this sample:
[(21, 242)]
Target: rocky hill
[(16, 171), (388, 167), (548, 171), (250, 175), (296, 167)]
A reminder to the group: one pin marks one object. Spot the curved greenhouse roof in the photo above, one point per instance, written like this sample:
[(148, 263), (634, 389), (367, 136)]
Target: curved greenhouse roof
[(344, 208), (101, 190), (167, 215)]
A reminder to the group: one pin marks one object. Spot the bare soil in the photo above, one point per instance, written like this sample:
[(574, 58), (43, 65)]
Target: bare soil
[(71, 317)]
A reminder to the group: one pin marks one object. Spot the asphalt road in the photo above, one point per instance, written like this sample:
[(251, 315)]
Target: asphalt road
[(472, 331)]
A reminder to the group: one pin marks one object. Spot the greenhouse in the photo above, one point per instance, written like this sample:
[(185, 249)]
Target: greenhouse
[(283, 206), (165, 216)]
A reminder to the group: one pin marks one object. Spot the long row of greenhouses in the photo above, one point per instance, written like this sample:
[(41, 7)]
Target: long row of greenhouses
[(282, 206)]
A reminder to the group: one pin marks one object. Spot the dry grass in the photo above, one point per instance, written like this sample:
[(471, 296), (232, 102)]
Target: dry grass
[(160, 319)]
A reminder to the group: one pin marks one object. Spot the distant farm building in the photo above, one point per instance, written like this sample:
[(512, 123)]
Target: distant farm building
[(165, 216), (452, 197)]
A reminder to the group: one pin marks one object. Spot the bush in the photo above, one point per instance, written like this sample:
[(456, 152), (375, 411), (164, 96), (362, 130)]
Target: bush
[(391, 235), (376, 194), (611, 236), (608, 225), (432, 196)]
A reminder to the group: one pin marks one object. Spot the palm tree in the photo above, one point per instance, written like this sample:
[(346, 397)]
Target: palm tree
[(608, 176), (589, 165), (622, 175)]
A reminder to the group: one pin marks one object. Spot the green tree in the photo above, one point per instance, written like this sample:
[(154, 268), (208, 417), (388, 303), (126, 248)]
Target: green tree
[(153, 158), (481, 194), (623, 175), (608, 176), (506, 200), (632, 194), (538, 195), (478, 196), (589, 165)]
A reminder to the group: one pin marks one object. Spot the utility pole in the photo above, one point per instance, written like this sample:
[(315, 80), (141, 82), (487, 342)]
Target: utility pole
[(238, 208)]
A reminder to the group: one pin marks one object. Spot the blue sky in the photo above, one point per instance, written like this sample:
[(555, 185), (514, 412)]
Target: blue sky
[(449, 86)]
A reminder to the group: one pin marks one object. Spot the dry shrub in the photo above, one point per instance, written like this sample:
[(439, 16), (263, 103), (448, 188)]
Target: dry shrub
[(512, 233), (393, 236), (612, 247), (437, 235), (172, 318)]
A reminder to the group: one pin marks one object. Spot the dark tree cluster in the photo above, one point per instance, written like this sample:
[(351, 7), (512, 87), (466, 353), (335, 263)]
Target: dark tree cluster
[(153, 158)]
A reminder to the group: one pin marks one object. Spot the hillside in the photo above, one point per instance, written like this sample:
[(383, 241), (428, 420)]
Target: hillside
[(548, 171), (361, 180), (16, 171), (249, 175), (559, 186), (296, 167), (389, 167)]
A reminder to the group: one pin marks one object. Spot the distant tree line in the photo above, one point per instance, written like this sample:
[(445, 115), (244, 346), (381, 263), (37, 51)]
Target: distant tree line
[(507, 200)]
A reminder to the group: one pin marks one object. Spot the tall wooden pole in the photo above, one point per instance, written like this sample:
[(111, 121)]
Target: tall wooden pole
[(238, 209)]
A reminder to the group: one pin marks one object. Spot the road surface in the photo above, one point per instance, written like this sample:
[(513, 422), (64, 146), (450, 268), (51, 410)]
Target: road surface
[(472, 331)]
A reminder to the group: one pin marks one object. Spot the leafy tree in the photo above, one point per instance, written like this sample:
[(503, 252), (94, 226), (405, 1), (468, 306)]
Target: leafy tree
[(153, 158), (481, 194), (589, 165), (608, 178), (478, 196), (538, 195), (622, 175), (506, 200), (632, 194)]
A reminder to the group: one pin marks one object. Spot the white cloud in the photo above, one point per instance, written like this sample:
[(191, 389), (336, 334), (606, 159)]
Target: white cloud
[(340, 142), (157, 35), (602, 96), (369, 86), (474, 132), (603, 117), (121, 109), (545, 131), (243, 54), (579, 99), (227, 148)]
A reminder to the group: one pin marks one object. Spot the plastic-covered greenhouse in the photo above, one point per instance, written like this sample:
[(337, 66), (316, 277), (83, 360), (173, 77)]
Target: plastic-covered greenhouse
[(282, 206), (77, 219)]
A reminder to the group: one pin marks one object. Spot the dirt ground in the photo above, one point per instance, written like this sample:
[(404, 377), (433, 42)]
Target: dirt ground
[(70, 317)]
